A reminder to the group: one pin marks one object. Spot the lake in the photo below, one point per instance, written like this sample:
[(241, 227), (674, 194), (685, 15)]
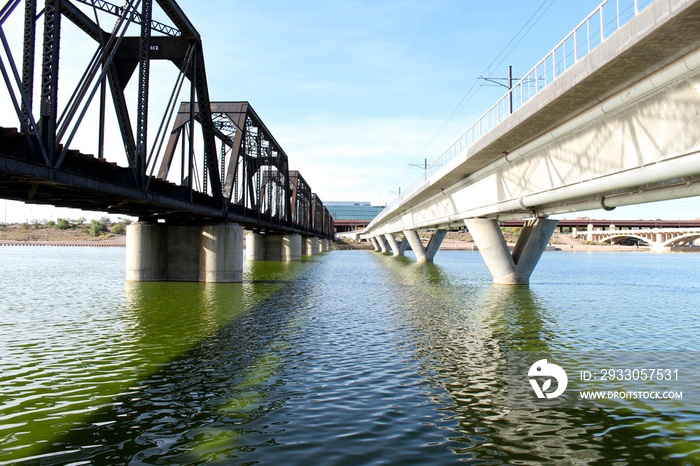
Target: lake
[(347, 358)]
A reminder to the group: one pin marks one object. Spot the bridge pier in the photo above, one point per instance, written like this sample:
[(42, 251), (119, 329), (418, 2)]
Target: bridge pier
[(424, 255), (291, 247), (375, 244), (160, 252), (396, 248), (505, 268), (311, 246), (273, 247), (382, 243), (325, 244)]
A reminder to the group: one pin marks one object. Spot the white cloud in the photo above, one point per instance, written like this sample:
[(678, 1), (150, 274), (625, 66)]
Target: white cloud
[(354, 158)]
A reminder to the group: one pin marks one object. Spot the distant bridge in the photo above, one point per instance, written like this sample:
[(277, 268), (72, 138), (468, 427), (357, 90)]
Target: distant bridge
[(659, 239), (608, 118), (194, 182), (659, 235)]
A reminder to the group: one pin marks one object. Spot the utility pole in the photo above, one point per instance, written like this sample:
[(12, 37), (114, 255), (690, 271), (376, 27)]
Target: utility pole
[(424, 167), (508, 85)]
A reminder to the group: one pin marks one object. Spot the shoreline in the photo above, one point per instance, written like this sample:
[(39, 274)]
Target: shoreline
[(447, 245), (116, 242), (559, 246)]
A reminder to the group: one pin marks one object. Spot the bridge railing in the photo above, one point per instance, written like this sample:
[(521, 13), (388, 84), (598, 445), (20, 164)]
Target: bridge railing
[(598, 26)]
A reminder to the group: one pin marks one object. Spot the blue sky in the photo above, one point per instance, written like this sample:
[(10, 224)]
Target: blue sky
[(358, 91)]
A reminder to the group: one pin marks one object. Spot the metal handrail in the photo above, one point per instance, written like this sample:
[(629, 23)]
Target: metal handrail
[(598, 26)]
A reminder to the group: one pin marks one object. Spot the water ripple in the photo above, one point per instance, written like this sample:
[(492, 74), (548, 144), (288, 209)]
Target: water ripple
[(352, 358)]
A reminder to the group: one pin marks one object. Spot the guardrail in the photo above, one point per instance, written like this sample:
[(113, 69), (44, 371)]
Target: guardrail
[(589, 34)]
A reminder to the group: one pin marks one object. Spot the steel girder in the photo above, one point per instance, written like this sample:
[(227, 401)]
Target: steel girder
[(301, 200), (254, 168), (116, 58), (321, 218), (242, 169)]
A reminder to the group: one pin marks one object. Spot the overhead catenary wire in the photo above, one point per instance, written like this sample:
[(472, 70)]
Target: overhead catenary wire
[(471, 92)]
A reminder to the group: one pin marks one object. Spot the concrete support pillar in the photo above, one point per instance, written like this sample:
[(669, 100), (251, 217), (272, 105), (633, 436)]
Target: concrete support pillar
[(221, 254), (160, 252), (416, 246), (505, 268), (291, 247), (382, 243), (183, 253), (311, 245), (375, 244), (393, 245), (434, 244), (255, 247), (146, 251), (424, 255), (273, 247), (589, 233), (403, 246)]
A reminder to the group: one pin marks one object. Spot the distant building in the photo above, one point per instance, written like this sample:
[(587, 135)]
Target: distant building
[(351, 216)]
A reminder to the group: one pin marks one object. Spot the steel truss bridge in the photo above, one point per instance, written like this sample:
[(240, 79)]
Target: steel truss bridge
[(203, 162)]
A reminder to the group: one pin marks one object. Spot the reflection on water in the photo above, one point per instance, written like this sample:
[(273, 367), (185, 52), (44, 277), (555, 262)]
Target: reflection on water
[(349, 358)]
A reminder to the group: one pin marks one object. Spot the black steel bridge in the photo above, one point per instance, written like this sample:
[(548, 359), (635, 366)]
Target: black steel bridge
[(203, 162)]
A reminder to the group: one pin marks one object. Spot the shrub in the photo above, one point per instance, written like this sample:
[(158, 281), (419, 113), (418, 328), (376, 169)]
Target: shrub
[(97, 227), (118, 229)]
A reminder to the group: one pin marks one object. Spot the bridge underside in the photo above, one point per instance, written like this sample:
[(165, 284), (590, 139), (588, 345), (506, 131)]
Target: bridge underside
[(86, 182), (620, 127), (641, 150), (90, 183)]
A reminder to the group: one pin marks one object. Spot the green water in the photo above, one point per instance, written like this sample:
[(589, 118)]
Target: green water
[(351, 358)]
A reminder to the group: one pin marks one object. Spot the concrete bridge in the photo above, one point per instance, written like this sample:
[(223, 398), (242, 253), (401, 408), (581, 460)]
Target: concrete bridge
[(608, 118)]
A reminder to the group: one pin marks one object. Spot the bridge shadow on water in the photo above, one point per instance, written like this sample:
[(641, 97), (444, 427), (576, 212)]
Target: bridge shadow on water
[(465, 332), (212, 365), (203, 360)]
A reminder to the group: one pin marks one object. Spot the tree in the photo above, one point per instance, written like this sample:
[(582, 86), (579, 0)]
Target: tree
[(97, 227)]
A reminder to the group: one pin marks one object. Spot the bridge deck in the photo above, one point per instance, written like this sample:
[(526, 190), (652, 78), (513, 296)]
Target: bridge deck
[(659, 35)]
